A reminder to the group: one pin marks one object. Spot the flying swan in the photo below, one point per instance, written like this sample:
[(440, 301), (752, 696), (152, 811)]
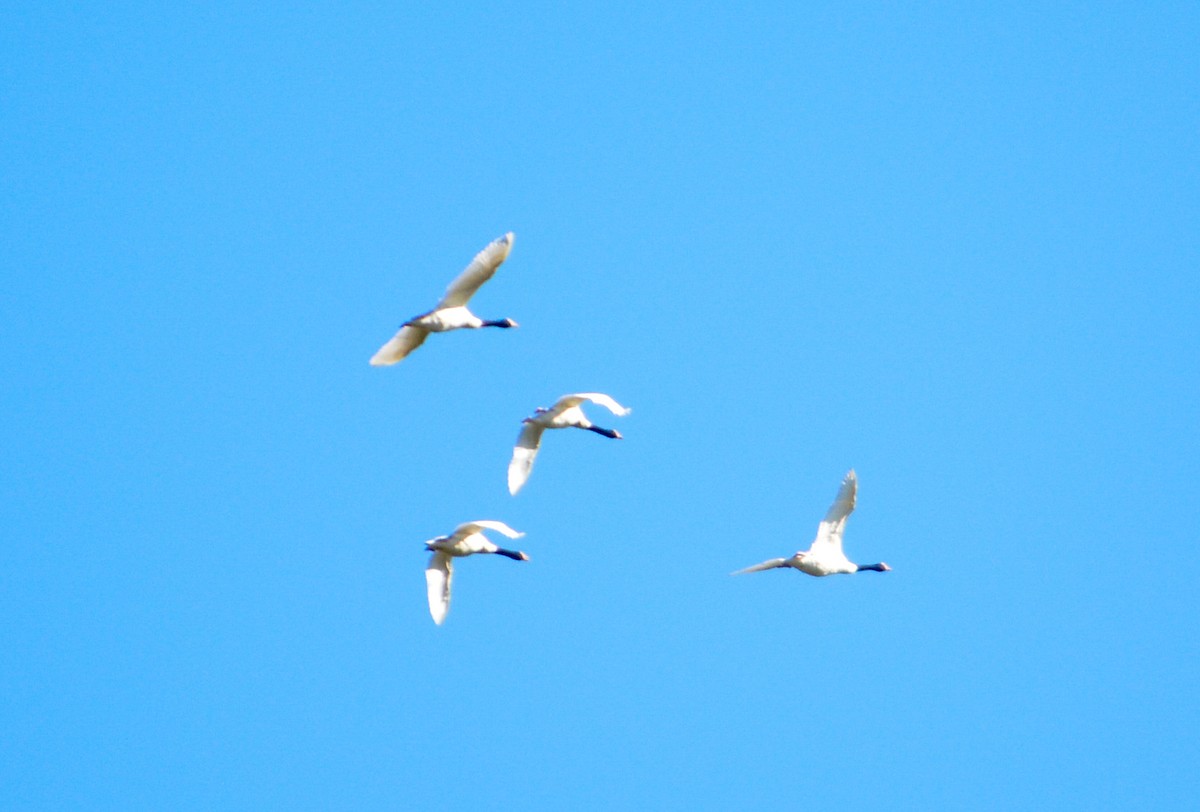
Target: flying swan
[(467, 539), (566, 413), (825, 556), (451, 312)]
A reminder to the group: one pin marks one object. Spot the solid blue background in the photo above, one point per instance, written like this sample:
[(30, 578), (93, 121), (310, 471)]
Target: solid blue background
[(954, 248)]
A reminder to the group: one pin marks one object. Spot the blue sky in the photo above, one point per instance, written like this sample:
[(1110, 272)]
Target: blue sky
[(954, 248)]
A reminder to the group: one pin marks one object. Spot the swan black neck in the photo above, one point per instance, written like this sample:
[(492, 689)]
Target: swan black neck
[(874, 567), (515, 556), (609, 433)]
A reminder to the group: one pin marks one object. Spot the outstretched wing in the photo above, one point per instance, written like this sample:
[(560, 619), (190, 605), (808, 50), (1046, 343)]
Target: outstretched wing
[(567, 401), (479, 271), (523, 456), (400, 345), (470, 528), (437, 584), (834, 523), (774, 563)]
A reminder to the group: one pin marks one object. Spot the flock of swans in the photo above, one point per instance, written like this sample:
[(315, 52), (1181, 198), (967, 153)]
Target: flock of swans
[(823, 557)]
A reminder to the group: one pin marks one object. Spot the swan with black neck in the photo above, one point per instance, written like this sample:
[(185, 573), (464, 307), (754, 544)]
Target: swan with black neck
[(451, 312), (467, 539), (825, 556), (566, 413)]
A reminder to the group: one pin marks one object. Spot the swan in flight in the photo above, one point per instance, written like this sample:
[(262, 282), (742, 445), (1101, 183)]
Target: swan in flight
[(825, 556), (566, 413), (451, 312), (467, 539)]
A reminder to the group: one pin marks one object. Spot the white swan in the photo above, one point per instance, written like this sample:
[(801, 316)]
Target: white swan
[(451, 312), (566, 413), (467, 539), (825, 556)]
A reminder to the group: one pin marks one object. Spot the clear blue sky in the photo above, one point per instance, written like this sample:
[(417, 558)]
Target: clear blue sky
[(955, 248)]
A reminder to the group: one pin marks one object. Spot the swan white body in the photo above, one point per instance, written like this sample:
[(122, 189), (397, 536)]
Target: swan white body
[(825, 556), (566, 413), (451, 312), (467, 539)]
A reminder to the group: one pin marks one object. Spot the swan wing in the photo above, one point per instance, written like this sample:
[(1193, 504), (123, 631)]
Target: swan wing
[(605, 401), (523, 456), (437, 585), (774, 563), (479, 271), (401, 344), (829, 534), (470, 528), (567, 401)]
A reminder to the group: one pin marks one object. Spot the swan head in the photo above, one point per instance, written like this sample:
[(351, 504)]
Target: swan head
[(507, 323), (515, 555)]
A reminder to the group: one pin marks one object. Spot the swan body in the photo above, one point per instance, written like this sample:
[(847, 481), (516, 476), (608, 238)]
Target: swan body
[(451, 312), (467, 539), (566, 413), (825, 556)]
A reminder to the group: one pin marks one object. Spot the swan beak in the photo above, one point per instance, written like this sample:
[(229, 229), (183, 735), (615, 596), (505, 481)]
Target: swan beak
[(617, 435), (886, 568)]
